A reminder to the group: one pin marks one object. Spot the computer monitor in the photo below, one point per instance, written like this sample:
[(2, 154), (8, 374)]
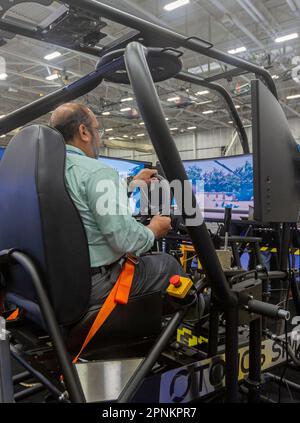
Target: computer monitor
[(125, 169), (222, 182), (276, 160), (2, 150)]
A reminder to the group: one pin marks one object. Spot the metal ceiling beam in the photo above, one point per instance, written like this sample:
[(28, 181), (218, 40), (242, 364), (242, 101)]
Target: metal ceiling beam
[(38, 61), (171, 37), (236, 21), (255, 14), (232, 73), (19, 88), (290, 108), (185, 76), (33, 78)]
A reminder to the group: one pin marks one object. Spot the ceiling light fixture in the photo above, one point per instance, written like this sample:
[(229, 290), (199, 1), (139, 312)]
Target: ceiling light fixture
[(175, 4), (202, 92), (192, 127), (3, 76), (126, 99), (293, 97), (177, 98), (208, 112), (52, 56), (204, 102), (52, 77), (286, 38), (237, 50), (105, 113), (126, 109)]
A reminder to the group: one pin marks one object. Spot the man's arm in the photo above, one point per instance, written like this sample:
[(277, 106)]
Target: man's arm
[(107, 198)]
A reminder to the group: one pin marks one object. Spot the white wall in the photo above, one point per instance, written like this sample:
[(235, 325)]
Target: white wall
[(203, 144)]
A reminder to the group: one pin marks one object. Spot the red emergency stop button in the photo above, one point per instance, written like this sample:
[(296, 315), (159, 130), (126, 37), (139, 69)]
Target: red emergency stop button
[(175, 280)]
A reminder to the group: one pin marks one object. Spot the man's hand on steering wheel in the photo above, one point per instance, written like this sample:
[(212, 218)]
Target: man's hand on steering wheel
[(146, 175)]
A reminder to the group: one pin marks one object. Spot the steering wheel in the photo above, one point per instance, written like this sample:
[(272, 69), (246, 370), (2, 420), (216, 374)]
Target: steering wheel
[(151, 210)]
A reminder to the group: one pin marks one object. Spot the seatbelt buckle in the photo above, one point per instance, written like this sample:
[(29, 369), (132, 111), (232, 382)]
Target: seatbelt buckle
[(133, 259)]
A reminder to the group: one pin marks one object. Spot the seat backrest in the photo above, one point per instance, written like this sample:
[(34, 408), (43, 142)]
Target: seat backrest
[(38, 217)]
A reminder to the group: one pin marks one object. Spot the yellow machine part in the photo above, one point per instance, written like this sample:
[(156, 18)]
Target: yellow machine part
[(182, 290)]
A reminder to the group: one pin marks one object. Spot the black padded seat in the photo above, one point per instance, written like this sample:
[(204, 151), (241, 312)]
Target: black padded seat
[(38, 217)]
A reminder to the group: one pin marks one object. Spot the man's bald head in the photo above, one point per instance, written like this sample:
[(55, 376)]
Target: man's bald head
[(68, 117), (79, 127)]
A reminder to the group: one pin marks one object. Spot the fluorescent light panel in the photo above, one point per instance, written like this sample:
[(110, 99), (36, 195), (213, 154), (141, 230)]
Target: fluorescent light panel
[(3, 76), (286, 38), (237, 50), (202, 92), (192, 127), (52, 56), (105, 113), (126, 99), (204, 102), (208, 112), (177, 98), (126, 109), (293, 97), (52, 77), (175, 4)]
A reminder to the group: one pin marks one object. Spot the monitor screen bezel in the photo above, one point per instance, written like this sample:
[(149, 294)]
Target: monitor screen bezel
[(216, 158), (148, 165)]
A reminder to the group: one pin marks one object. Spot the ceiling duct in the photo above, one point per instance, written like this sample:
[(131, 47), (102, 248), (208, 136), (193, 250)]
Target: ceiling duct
[(125, 145)]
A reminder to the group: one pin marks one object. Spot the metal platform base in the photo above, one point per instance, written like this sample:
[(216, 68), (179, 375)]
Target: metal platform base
[(105, 380)]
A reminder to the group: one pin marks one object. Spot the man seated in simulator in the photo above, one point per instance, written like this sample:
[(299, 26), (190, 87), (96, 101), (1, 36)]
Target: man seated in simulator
[(110, 236)]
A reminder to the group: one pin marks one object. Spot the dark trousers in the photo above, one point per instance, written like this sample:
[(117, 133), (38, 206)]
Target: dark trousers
[(152, 274)]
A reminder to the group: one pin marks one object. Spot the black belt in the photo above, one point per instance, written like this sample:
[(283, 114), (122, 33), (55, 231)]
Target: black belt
[(100, 269)]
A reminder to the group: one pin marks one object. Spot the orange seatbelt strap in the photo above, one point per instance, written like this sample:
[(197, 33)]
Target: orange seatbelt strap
[(13, 315), (118, 295)]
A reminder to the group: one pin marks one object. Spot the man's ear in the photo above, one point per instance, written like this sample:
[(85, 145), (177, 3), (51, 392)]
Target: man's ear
[(84, 133)]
